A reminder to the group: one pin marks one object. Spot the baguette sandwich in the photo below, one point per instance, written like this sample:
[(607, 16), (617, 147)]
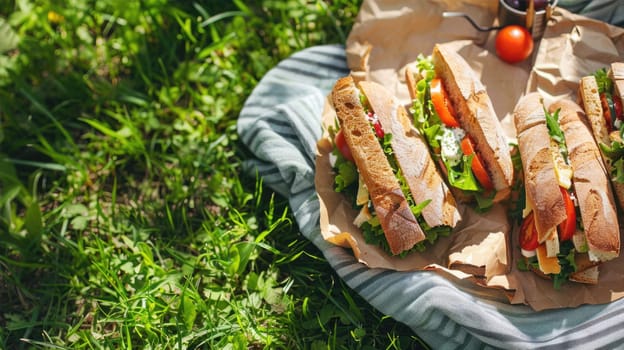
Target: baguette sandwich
[(569, 223), (382, 165), (602, 97), (453, 110)]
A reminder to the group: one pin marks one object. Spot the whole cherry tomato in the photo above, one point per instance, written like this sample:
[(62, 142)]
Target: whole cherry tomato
[(513, 43)]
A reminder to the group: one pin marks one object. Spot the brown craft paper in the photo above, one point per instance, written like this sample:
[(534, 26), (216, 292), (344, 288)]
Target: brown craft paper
[(390, 34)]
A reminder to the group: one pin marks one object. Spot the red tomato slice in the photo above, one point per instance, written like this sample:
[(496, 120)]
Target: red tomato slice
[(606, 110), (619, 113), (568, 226), (441, 103), (342, 146), (376, 125), (528, 233), (477, 165), (378, 130)]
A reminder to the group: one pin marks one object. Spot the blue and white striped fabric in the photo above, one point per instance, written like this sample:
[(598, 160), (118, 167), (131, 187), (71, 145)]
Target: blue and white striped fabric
[(281, 123)]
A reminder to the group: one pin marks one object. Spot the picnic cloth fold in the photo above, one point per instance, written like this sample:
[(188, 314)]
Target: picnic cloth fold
[(281, 122), (610, 11)]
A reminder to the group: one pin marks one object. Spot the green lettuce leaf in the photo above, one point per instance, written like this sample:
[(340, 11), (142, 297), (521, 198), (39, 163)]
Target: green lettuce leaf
[(555, 132), (484, 201), (617, 172), (461, 175), (615, 153), (346, 175), (605, 84), (567, 262), (566, 259), (518, 192)]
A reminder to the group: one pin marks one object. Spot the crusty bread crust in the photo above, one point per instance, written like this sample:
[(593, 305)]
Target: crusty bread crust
[(591, 182), (587, 276), (412, 155), (411, 80), (540, 182), (589, 99), (476, 115), (400, 227), (616, 73), (586, 271)]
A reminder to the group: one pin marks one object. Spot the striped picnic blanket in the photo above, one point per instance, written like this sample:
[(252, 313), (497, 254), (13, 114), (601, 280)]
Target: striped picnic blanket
[(281, 123)]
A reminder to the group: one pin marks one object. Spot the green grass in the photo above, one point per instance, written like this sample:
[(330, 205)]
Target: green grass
[(124, 219)]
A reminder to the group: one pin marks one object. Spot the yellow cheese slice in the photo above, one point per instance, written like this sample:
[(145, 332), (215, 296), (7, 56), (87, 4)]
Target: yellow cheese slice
[(547, 264), (363, 216), (362, 192), (563, 171)]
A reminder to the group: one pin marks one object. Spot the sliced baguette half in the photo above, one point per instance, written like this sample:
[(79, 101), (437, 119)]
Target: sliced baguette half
[(589, 99), (476, 115), (400, 227), (540, 181), (591, 183), (410, 149)]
